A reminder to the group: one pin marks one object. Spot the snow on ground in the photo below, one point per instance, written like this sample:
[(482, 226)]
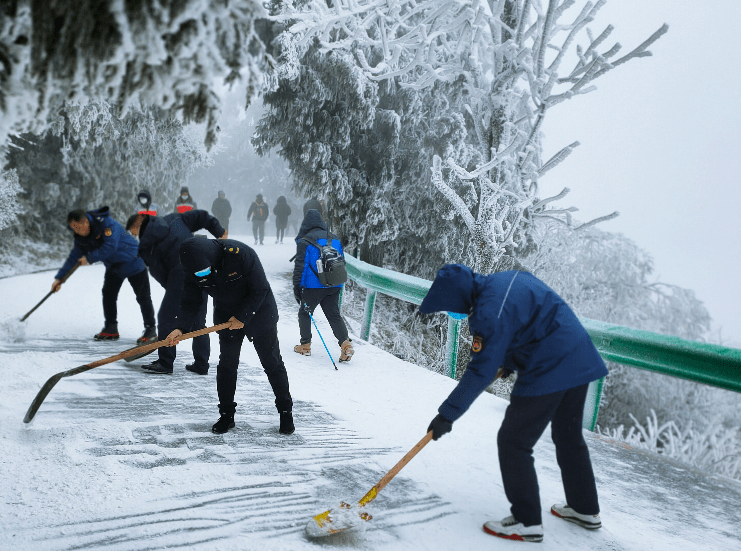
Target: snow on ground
[(119, 459)]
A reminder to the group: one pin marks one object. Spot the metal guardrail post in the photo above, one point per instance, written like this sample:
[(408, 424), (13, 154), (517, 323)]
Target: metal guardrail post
[(591, 405), (451, 344), (370, 301)]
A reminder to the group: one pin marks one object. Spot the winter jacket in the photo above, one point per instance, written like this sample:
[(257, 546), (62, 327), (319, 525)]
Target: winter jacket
[(184, 205), (314, 228), (237, 284), (160, 239), (108, 243), (519, 323), (281, 211), (222, 209), (259, 211)]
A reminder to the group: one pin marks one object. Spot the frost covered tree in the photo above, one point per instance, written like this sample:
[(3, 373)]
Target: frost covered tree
[(126, 52), (89, 158), (509, 56), (9, 189)]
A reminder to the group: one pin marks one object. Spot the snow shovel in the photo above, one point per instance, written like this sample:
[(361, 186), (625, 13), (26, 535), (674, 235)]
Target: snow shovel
[(330, 522), (50, 293), (54, 379)]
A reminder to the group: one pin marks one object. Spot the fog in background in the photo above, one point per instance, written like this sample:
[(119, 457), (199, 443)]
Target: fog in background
[(661, 143)]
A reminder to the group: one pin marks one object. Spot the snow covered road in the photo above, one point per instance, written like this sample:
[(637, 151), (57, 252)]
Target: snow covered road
[(119, 459)]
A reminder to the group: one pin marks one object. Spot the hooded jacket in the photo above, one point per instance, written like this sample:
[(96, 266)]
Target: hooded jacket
[(314, 228), (518, 323), (108, 243), (259, 210), (160, 239), (282, 211), (237, 284), (221, 209)]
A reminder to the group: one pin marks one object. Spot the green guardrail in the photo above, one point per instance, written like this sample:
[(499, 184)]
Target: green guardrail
[(709, 364)]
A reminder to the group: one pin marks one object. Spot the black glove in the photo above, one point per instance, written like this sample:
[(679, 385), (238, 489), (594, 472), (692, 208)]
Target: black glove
[(439, 426)]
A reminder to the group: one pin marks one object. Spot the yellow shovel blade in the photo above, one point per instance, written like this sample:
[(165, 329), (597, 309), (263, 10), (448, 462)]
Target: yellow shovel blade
[(333, 521)]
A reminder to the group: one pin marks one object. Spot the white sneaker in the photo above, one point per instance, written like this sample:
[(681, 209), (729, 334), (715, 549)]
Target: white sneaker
[(590, 522), (510, 529)]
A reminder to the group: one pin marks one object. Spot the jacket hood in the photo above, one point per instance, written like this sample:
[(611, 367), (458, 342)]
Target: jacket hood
[(197, 254), (258, 199), (92, 215), (153, 230), (282, 200), (184, 189), (312, 220), (453, 290)]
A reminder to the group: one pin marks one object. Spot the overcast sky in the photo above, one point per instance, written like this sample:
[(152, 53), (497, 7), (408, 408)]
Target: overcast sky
[(661, 143)]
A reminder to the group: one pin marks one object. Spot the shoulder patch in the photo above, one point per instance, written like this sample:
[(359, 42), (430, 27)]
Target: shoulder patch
[(108, 232), (478, 344), (231, 250)]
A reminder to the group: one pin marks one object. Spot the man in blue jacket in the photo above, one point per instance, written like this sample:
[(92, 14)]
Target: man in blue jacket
[(231, 273), (310, 293), (99, 238), (159, 247), (519, 324)]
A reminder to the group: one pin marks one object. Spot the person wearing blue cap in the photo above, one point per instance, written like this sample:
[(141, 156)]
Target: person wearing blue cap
[(521, 325)]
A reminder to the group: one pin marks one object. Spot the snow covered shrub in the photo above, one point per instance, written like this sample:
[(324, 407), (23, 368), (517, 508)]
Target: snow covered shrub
[(9, 190)]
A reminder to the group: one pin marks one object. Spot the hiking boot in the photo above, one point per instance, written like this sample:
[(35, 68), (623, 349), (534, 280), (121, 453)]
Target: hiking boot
[(157, 367), (197, 369), (149, 335), (347, 351), (510, 529), (225, 422), (303, 349), (590, 522), (108, 333), (286, 423)]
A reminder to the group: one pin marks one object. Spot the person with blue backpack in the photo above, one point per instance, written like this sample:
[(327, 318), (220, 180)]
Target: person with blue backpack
[(519, 324), (99, 238), (312, 286)]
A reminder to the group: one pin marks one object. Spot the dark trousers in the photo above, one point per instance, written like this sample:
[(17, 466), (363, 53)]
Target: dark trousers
[(166, 322), (268, 350), (329, 299), (279, 233), (139, 283), (524, 422), (258, 229)]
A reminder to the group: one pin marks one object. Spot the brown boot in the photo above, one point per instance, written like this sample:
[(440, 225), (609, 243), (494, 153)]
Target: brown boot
[(303, 349), (347, 351)]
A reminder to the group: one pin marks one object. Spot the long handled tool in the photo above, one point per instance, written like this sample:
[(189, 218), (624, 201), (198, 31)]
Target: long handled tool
[(306, 306), (53, 380), (50, 293), (331, 522)]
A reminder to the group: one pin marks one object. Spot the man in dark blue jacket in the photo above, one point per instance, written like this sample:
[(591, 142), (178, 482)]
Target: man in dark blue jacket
[(232, 274), (519, 324), (310, 293), (99, 238), (159, 246)]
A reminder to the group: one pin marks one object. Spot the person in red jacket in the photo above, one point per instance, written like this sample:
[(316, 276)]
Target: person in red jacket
[(185, 202)]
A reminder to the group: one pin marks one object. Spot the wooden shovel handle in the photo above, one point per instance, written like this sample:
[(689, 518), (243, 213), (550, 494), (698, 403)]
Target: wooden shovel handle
[(370, 496), (50, 293)]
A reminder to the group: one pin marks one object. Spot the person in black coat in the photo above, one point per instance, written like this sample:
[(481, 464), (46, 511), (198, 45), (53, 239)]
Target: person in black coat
[(232, 274), (159, 245), (281, 211), (185, 202), (222, 209), (258, 212)]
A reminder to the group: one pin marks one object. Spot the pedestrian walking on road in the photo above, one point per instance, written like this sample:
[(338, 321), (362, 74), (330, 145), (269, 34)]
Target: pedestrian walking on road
[(99, 238), (222, 209), (259, 212), (520, 324), (232, 274), (282, 211), (159, 247), (185, 202), (309, 291)]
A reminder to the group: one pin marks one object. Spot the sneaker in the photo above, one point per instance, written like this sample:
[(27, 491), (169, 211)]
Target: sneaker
[(108, 333), (286, 423), (157, 367), (255, 241), (149, 335), (590, 522), (347, 351), (303, 349), (510, 529), (225, 422), (197, 369)]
